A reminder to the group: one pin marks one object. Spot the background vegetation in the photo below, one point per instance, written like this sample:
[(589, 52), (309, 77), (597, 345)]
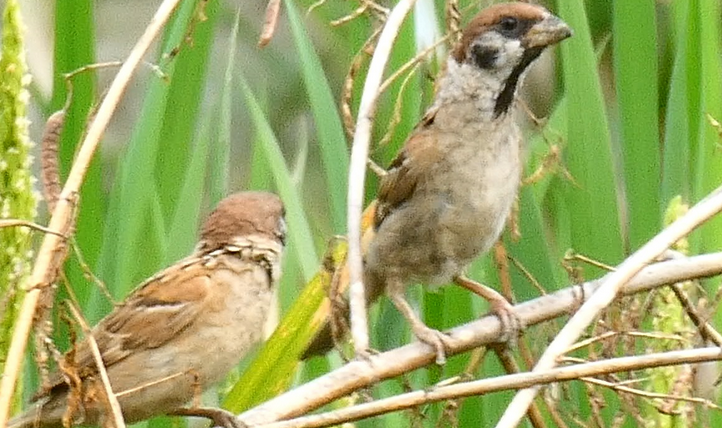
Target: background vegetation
[(628, 100)]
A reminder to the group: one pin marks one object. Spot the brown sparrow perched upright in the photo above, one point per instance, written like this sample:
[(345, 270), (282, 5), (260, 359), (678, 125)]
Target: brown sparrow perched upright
[(183, 329), (450, 190)]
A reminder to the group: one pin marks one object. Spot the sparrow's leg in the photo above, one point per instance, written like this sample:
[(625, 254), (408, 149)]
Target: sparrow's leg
[(431, 337), (220, 417), (511, 325)]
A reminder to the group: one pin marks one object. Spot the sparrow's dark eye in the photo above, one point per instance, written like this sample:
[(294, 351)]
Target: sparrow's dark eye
[(509, 26)]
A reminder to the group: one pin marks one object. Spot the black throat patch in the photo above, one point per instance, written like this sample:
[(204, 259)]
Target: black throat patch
[(506, 97)]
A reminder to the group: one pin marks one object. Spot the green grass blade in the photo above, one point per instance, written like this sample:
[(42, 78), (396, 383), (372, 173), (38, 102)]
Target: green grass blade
[(300, 239), (683, 108), (331, 138), (709, 167), (180, 116), (635, 71), (125, 231), (595, 220)]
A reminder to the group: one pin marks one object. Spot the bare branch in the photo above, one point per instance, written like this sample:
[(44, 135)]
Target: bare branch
[(360, 374), (63, 215), (357, 171), (697, 215), (25, 223), (503, 383)]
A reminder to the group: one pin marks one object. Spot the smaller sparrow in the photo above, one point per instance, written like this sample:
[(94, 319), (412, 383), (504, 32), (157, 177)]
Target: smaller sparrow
[(180, 331)]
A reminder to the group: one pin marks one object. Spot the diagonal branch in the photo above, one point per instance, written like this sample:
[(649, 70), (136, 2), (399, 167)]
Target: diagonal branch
[(697, 215), (64, 215), (361, 373), (504, 383)]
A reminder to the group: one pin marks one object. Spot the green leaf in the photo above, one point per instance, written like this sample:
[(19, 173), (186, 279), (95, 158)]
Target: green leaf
[(331, 138), (635, 71), (300, 238), (595, 218)]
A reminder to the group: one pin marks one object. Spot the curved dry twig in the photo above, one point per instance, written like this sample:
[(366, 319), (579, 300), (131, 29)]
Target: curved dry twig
[(9, 222), (357, 171), (64, 215), (697, 215), (360, 374)]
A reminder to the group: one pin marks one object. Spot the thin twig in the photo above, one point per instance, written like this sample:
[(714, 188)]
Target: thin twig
[(697, 215), (511, 367), (362, 373), (63, 219), (396, 114), (610, 334), (348, 82), (113, 403), (11, 222), (705, 329), (357, 171), (412, 63), (500, 383), (351, 16), (650, 395)]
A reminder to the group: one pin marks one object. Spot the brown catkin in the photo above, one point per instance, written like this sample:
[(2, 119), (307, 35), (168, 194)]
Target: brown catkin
[(50, 165)]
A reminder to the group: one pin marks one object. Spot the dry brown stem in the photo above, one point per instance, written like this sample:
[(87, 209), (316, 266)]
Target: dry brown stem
[(361, 374), (63, 217), (269, 23), (501, 383), (110, 398), (697, 215)]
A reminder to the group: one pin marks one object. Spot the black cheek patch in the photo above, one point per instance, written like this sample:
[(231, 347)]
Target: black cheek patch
[(506, 97), (484, 57)]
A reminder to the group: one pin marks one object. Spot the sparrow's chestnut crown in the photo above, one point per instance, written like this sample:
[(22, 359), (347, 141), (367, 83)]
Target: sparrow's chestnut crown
[(243, 214), (532, 25), (504, 39)]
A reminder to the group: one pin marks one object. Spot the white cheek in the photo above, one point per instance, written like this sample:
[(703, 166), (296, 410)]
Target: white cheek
[(509, 51), (509, 54)]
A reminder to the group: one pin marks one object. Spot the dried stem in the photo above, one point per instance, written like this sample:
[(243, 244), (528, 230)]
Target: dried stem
[(363, 373), (112, 399), (503, 383), (29, 224), (269, 23), (63, 216), (697, 215), (357, 172)]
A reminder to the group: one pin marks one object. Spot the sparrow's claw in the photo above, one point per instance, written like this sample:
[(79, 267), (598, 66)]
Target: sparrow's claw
[(431, 337), (434, 338), (511, 324), (220, 417), (365, 354)]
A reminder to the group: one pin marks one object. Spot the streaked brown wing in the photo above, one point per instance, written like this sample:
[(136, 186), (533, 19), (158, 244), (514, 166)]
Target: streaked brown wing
[(151, 316), (405, 172)]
